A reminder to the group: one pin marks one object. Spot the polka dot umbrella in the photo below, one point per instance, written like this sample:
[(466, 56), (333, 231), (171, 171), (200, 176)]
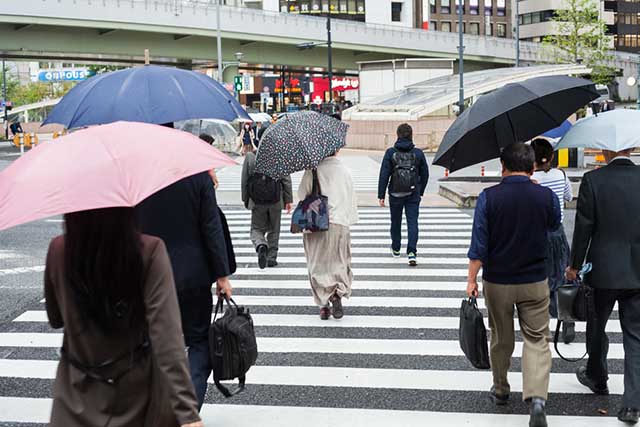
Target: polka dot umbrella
[(298, 142)]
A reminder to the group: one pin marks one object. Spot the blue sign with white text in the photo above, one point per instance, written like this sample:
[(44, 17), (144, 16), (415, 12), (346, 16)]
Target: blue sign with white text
[(72, 75)]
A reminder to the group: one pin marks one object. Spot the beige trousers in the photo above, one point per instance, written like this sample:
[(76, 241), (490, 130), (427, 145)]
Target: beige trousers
[(532, 304)]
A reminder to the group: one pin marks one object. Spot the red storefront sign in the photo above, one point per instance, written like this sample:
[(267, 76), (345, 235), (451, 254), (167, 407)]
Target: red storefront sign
[(339, 84)]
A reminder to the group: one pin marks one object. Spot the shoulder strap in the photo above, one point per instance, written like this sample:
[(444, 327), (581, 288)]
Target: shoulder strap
[(315, 189), (556, 337)]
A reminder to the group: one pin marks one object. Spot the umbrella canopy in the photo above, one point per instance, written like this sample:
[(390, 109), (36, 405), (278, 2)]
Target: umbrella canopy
[(116, 165), (516, 112), (558, 132), (299, 142), (148, 94), (615, 130)]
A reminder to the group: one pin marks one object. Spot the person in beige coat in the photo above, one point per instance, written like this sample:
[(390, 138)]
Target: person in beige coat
[(123, 360), (329, 253)]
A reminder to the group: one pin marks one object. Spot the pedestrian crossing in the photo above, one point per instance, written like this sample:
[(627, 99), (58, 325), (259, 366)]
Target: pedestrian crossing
[(393, 360), (364, 171)]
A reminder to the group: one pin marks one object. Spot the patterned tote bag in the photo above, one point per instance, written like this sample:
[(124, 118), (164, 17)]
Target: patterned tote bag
[(312, 214)]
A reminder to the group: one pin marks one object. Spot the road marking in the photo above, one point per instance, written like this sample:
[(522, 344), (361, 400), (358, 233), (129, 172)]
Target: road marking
[(361, 260), (386, 243), (299, 250), (359, 272), (385, 227), (364, 234), (378, 322), (22, 270), (407, 379), (36, 410)]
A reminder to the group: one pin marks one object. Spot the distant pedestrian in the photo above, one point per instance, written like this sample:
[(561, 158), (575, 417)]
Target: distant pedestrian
[(329, 253), (186, 217), (509, 243), (557, 245), (248, 138), (404, 172), (210, 140), (607, 234), (16, 128), (265, 217), (122, 359)]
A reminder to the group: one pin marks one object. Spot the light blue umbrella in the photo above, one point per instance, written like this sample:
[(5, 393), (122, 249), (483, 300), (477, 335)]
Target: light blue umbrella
[(615, 130)]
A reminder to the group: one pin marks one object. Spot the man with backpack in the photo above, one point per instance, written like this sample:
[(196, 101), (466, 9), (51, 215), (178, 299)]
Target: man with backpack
[(266, 198), (405, 174)]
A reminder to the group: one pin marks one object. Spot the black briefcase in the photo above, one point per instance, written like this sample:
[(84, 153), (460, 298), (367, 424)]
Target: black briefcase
[(473, 334)]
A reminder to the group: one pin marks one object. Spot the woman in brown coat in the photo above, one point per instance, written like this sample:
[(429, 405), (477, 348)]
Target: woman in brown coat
[(123, 361)]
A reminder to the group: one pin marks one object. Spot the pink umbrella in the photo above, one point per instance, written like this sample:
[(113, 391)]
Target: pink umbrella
[(112, 165)]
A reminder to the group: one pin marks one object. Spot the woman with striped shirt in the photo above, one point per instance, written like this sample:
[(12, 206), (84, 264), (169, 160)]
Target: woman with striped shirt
[(558, 246)]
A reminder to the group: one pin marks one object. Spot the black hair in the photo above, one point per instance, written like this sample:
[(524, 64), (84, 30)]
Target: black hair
[(168, 125), (543, 152), (104, 267), (405, 131), (518, 157), (207, 138)]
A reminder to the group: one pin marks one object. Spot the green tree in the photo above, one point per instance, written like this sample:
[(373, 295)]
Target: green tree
[(581, 37)]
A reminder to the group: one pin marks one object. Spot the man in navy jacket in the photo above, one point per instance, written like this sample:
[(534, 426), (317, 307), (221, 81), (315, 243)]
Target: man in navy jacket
[(509, 243), (409, 203)]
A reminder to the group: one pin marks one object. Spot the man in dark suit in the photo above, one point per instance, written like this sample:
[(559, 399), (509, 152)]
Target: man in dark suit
[(185, 215), (607, 234)]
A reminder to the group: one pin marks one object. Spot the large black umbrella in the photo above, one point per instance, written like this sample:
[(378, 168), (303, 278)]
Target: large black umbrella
[(514, 113)]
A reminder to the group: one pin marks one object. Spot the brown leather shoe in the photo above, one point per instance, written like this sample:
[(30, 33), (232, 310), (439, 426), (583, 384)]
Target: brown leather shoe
[(325, 313), (336, 302)]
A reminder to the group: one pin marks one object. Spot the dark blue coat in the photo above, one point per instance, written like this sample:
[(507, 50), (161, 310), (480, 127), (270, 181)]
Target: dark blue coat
[(386, 168), (185, 215)]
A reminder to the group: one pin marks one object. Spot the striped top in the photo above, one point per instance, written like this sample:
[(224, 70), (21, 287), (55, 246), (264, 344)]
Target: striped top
[(557, 182)]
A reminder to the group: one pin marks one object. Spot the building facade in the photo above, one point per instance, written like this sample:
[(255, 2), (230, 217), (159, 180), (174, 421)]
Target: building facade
[(480, 17)]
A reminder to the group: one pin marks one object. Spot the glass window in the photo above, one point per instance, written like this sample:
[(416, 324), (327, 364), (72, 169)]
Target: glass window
[(474, 7), (502, 7), (352, 7), (445, 26), (396, 11), (445, 6), (474, 28), (360, 9), (333, 6), (488, 28), (304, 6), (432, 6), (343, 6), (458, 6), (501, 30), (433, 25), (464, 27), (488, 7), (316, 6)]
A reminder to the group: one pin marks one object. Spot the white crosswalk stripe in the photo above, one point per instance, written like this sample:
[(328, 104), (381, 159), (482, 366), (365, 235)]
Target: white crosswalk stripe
[(393, 360)]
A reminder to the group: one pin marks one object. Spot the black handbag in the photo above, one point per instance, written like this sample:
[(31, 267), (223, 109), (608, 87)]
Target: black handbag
[(232, 344), (473, 334), (575, 302)]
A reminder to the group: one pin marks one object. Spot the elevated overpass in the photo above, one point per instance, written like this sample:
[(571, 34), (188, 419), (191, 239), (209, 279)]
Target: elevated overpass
[(184, 30)]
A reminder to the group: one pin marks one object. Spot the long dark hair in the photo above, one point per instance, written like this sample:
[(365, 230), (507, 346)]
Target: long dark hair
[(104, 267), (544, 153)]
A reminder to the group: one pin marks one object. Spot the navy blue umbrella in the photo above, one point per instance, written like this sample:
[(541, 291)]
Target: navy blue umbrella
[(148, 94), (558, 132)]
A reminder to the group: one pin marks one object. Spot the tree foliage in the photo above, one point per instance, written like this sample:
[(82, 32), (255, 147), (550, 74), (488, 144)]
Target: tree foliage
[(581, 37)]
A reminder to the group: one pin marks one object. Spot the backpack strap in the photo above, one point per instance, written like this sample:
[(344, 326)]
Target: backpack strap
[(556, 337)]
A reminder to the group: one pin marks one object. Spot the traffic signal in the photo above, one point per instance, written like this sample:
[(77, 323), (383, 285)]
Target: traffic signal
[(237, 83)]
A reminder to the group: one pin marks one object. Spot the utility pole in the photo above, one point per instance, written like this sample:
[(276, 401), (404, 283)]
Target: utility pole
[(329, 59), (461, 53), (517, 33), (4, 98), (219, 41)]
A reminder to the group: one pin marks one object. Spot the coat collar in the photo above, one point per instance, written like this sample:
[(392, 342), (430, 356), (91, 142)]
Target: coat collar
[(621, 161)]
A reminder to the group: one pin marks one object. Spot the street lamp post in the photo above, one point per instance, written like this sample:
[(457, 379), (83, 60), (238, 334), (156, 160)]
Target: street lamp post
[(4, 98), (219, 41), (517, 33), (461, 55), (329, 58)]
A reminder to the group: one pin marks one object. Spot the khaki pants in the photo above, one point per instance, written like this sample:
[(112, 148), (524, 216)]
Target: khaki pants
[(532, 302)]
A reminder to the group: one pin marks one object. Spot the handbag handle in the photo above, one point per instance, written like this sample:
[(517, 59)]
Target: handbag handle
[(556, 337), (220, 304), (229, 393), (315, 189)]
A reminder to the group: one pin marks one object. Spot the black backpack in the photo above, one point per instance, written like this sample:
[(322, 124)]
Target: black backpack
[(264, 190), (232, 344), (404, 178)]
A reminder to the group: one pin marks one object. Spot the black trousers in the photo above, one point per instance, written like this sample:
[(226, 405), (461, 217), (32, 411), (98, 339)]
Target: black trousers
[(195, 309), (598, 343)]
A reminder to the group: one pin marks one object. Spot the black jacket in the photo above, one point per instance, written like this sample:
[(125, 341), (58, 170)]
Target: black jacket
[(185, 215), (607, 230), (386, 168)]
